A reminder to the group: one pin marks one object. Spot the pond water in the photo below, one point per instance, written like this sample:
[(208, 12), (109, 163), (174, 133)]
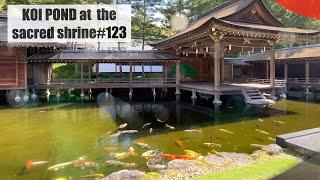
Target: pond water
[(63, 132)]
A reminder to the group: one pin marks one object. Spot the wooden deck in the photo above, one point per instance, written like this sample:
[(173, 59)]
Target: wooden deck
[(198, 87)]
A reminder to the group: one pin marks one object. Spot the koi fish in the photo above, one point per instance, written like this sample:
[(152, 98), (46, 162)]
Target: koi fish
[(150, 130), (115, 135), (30, 164), (145, 125), (150, 154), (128, 132), (256, 145), (124, 155), (226, 131), (279, 122), (191, 153), (212, 145), (83, 164), (271, 139), (260, 120), (110, 149), (143, 145), (173, 157), (60, 166), (262, 132), (193, 130), (121, 164), (179, 144), (95, 176), (160, 121), (123, 125), (168, 126)]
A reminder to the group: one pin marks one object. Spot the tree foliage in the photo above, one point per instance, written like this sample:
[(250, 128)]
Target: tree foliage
[(186, 71)]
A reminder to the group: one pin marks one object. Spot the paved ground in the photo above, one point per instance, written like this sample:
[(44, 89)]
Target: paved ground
[(308, 143)]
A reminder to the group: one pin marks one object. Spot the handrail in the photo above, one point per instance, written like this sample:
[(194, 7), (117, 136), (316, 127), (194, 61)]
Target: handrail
[(110, 81), (304, 80), (278, 82)]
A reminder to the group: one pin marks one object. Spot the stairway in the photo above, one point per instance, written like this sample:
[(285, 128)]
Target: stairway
[(255, 97)]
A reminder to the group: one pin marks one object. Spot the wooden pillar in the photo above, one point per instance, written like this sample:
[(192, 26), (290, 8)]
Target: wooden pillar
[(81, 73), (34, 73), (142, 67), (222, 65), (97, 69), (177, 77), (130, 74), (177, 72), (217, 70), (89, 71), (267, 70), (286, 71), (17, 73), (307, 71), (273, 67)]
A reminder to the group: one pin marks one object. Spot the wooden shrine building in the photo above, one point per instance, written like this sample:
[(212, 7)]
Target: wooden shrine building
[(244, 26)]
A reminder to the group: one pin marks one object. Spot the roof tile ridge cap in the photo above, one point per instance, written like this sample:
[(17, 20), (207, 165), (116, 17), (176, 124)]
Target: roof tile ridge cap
[(214, 9)]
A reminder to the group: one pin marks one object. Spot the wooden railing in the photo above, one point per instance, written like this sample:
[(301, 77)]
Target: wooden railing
[(113, 81), (304, 80), (279, 82)]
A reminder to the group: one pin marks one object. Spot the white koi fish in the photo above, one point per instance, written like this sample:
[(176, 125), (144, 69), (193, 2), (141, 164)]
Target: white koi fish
[(123, 125), (193, 130), (143, 145), (279, 122), (150, 153), (262, 132), (150, 130), (145, 125), (226, 131), (128, 132), (160, 121), (260, 120), (170, 127), (212, 145), (60, 166)]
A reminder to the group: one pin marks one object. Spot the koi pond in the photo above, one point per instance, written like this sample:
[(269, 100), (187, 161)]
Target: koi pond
[(98, 132)]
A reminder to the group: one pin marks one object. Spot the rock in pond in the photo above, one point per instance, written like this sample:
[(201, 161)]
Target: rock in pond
[(179, 164), (125, 175), (214, 160), (272, 149), (237, 158)]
